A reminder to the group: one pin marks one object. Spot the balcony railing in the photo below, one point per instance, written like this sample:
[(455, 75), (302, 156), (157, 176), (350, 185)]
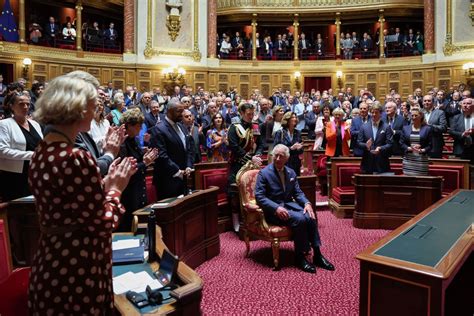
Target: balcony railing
[(235, 5)]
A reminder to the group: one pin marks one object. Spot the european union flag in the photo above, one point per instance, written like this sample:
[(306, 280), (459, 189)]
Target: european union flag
[(7, 24)]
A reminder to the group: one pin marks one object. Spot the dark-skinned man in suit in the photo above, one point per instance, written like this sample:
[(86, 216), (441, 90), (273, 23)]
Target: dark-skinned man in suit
[(175, 160)]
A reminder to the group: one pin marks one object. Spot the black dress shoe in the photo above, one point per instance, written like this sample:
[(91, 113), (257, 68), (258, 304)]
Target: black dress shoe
[(323, 263), (306, 266)]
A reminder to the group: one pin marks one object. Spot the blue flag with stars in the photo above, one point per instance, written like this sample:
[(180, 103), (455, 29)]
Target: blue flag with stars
[(7, 24)]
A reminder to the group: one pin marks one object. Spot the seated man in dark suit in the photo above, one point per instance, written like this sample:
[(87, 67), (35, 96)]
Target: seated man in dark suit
[(278, 193), (375, 139), (175, 158)]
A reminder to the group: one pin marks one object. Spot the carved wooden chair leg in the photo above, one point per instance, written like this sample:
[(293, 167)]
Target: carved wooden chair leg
[(276, 254), (247, 243)]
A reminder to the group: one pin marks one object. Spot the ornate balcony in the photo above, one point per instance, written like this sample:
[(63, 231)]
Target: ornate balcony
[(302, 6)]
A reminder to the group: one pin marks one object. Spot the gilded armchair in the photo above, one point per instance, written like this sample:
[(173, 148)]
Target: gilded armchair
[(253, 220)]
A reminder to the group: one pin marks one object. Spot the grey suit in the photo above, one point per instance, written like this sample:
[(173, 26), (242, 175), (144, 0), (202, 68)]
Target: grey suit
[(438, 123)]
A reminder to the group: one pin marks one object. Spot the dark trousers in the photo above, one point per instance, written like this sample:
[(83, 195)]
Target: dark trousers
[(304, 228)]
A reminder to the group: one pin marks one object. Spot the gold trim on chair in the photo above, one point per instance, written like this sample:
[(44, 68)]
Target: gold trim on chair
[(253, 219)]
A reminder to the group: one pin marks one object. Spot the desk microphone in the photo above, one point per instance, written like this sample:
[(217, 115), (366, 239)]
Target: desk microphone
[(151, 230)]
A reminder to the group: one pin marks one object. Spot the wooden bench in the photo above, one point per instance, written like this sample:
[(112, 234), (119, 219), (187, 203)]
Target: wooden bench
[(455, 173)]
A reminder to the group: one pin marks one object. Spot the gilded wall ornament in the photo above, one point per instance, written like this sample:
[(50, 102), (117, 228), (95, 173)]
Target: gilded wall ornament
[(173, 20)]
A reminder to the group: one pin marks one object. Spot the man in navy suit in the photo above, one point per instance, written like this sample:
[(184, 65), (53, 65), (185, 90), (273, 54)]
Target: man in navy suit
[(279, 195), (375, 139), (356, 126), (154, 117), (51, 30), (175, 159), (395, 122)]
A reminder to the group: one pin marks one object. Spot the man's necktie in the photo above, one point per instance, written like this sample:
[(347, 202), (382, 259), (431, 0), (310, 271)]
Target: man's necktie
[(282, 178)]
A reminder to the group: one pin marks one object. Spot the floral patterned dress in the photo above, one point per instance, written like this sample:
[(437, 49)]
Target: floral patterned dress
[(72, 269)]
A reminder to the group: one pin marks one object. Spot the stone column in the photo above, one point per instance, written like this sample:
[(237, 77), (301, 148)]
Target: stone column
[(21, 25), (254, 36), (429, 26), (295, 36), (338, 34), (129, 27), (79, 25), (211, 28), (381, 35)]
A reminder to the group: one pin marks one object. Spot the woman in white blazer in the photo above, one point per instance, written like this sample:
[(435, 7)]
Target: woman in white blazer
[(19, 137)]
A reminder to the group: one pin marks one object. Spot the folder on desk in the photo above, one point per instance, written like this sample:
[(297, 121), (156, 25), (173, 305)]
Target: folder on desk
[(128, 255)]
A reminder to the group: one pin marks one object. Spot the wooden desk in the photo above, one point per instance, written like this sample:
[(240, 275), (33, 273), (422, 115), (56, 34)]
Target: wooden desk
[(386, 202), (189, 225), (186, 299), (424, 267)]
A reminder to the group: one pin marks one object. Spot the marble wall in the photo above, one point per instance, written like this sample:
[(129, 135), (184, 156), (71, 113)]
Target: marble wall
[(161, 39)]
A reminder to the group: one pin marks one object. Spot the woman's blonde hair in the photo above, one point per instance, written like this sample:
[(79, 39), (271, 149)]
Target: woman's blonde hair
[(64, 100), (132, 117), (286, 119), (276, 109), (338, 111)]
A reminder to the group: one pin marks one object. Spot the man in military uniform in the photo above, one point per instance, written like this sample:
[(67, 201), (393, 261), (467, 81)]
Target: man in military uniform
[(245, 144)]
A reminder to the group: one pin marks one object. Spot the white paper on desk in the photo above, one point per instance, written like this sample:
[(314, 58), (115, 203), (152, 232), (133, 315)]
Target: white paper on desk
[(159, 205), (125, 244), (136, 282)]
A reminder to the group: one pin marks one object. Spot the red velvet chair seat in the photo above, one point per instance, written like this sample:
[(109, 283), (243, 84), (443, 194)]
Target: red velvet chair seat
[(217, 178), (14, 293), (344, 195)]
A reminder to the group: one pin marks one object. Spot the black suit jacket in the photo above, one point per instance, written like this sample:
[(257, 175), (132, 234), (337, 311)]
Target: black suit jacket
[(463, 147), (134, 196), (173, 156), (85, 141), (425, 138), (397, 127), (151, 121), (48, 32)]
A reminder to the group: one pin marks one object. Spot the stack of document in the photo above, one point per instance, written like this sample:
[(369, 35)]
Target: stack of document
[(136, 282)]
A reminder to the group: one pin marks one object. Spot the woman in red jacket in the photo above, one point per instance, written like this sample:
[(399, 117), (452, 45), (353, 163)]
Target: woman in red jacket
[(338, 135)]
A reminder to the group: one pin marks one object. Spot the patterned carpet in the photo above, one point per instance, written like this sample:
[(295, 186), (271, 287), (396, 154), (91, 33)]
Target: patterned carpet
[(234, 284)]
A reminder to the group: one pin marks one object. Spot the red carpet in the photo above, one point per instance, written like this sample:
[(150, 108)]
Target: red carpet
[(234, 284)]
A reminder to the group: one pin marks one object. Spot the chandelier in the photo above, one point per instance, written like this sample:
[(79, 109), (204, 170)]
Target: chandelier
[(173, 73)]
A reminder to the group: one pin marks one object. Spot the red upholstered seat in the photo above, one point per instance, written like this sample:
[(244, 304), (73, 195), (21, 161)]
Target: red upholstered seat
[(5, 268), (66, 46), (14, 293), (217, 178), (150, 190)]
